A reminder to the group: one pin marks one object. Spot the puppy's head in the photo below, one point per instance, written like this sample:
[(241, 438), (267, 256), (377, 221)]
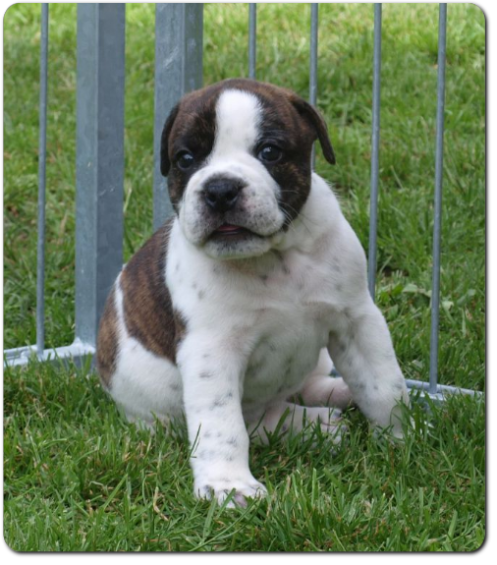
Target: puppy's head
[(238, 159)]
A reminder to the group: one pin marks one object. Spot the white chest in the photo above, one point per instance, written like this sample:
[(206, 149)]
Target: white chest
[(292, 327), (276, 310)]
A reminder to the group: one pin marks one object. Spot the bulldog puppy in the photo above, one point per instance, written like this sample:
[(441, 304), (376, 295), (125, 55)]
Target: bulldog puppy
[(236, 304)]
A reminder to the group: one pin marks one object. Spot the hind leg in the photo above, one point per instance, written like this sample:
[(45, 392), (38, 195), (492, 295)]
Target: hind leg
[(147, 388), (285, 416), (320, 389)]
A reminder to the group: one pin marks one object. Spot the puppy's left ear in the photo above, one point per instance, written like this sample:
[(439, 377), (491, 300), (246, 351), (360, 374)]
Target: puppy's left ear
[(316, 121), (165, 163)]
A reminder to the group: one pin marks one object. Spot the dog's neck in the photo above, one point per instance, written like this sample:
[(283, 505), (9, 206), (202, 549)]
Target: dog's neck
[(260, 266)]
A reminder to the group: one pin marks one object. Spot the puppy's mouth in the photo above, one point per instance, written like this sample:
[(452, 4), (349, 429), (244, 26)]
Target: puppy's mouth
[(232, 232)]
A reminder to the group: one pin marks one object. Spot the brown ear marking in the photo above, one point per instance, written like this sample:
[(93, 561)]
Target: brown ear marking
[(165, 163), (314, 118)]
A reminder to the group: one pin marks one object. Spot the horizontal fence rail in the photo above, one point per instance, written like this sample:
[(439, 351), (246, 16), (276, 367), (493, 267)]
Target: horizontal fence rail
[(77, 352), (100, 156)]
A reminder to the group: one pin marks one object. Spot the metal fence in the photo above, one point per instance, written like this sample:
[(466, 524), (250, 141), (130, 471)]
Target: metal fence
[(100, 155)]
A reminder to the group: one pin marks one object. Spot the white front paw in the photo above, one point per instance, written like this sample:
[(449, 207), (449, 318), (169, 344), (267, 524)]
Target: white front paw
[(220, 488)]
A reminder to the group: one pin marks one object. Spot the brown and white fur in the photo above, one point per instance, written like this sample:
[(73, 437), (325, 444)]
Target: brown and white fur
[(236, 304)]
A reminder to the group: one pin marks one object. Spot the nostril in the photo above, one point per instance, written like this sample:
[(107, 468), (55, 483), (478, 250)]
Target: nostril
[(210, 198), (232, 195)]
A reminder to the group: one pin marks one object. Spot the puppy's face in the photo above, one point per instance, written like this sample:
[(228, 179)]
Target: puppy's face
[(237, 155)]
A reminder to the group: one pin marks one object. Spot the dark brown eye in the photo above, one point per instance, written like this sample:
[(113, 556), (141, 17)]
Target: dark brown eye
[(185, 160), (270, 154)]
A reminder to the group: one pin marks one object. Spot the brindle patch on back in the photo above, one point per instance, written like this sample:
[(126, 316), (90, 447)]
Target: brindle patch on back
[(107, 340), (148, 311)]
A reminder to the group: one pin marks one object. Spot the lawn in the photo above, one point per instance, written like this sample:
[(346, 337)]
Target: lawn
[(76, 477)]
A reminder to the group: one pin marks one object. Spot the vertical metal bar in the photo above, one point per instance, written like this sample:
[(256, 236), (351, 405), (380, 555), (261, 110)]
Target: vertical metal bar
[(42, 166), (375, 151), (99, 160), (252, 39), (313, 64), (178, 69), (435, 288), (192, 40)]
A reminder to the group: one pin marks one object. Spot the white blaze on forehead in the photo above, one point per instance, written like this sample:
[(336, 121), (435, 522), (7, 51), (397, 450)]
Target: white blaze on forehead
[(238, 115)]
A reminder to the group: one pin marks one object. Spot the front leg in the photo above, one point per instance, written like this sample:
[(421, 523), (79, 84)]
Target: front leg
[(212, 388), (362, 351)]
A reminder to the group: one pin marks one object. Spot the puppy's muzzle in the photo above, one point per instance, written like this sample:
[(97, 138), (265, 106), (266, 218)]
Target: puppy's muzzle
[(221, 194)]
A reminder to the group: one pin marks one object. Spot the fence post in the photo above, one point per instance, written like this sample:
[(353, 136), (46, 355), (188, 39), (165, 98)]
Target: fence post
[(313, 66), (42, 168), (252, 39), (437, 220), (375, 152), (99, 160), (178, 70)]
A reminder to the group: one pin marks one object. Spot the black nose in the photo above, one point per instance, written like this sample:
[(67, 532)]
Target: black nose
[(221, 194)]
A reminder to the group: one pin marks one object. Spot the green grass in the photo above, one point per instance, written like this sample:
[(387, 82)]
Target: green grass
[(76, 477)]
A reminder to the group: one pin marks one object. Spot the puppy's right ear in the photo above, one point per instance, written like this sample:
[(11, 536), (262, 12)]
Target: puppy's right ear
[(165, 163)]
